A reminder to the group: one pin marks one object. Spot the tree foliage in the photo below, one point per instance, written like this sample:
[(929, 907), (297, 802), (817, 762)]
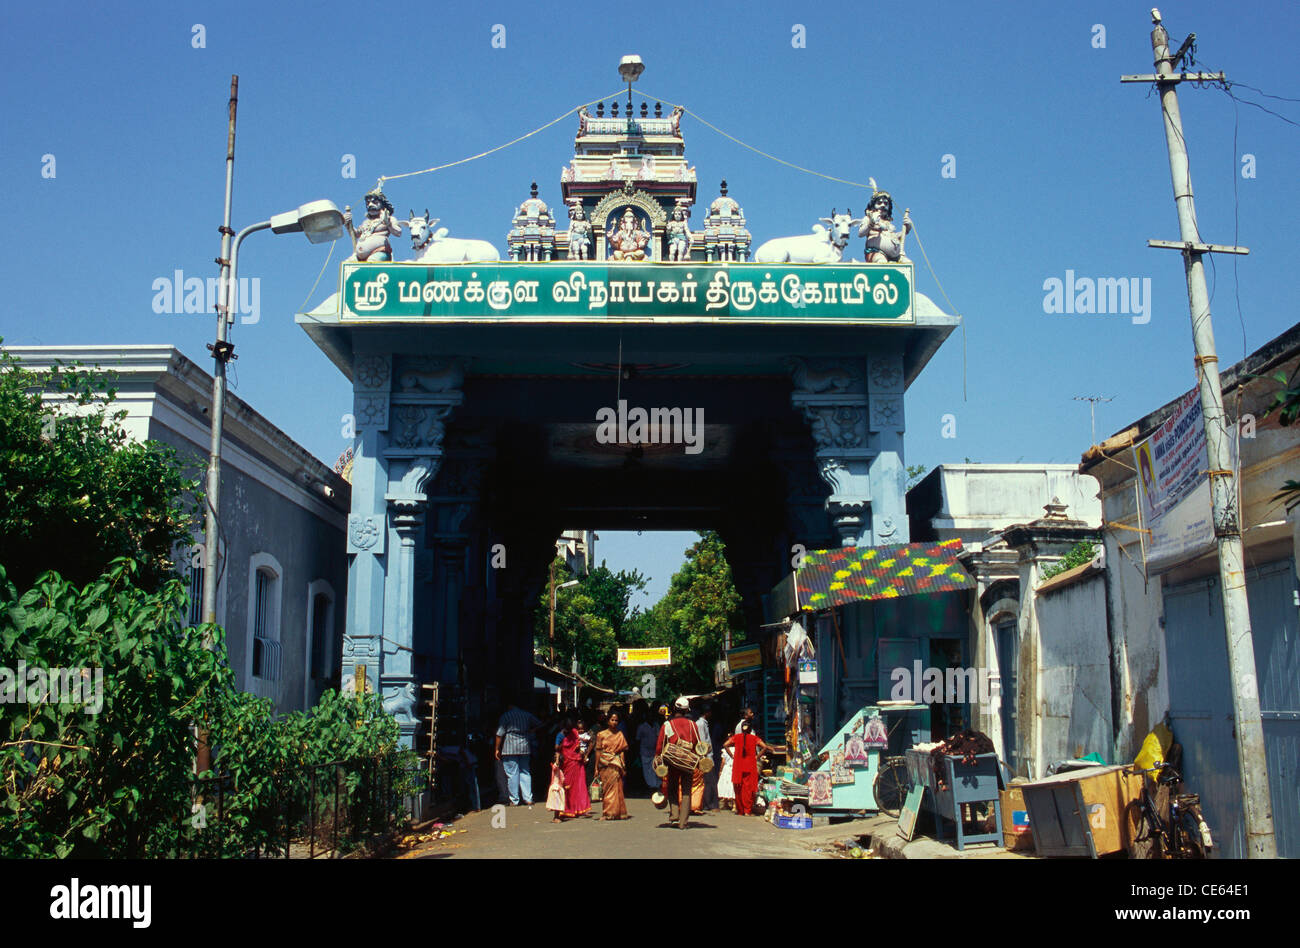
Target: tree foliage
[(590, 620), (119, 782), (78, 493), (693, 618), (87, 526), (597, 618)]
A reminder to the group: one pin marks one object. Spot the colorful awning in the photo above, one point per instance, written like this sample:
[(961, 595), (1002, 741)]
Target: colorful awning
[(852, 574)]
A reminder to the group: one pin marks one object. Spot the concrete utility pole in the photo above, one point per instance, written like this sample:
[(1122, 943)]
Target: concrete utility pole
[(1256, 802)]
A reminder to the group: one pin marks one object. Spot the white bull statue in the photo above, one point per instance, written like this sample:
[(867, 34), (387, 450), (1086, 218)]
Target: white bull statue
[(430, 246), (823, 245)]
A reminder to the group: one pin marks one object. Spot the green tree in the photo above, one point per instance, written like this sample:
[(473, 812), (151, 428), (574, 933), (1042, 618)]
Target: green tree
[(78, 493), (590, 619), (88, 523), (693, 618)]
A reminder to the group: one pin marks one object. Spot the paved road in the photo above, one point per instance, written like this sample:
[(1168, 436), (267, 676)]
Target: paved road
[(530, 834)]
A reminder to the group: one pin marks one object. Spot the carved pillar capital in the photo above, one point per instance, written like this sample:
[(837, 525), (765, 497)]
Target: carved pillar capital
[(832, 396)]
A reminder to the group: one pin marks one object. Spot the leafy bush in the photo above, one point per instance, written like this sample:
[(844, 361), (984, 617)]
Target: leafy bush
[(81, 784), (120, 783), (1082, 552)]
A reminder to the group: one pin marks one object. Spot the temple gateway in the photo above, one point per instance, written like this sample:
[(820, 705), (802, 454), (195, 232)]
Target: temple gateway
[(755, 391)]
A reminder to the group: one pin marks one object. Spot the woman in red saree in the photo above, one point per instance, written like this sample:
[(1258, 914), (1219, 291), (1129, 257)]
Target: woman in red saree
[(610, 747), (574, 764), (744, 769)]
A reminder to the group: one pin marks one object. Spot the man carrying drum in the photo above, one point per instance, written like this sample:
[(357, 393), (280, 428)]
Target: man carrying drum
[(676, 750)]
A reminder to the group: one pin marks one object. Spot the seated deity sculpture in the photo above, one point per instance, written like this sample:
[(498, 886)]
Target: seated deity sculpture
[(629, 241)]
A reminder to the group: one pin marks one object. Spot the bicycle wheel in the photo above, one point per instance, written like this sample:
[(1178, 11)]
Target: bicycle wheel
[(890, 788), (1188, 837)]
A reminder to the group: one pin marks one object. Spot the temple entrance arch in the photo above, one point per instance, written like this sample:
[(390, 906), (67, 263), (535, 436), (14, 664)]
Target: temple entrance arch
[(498, 403)]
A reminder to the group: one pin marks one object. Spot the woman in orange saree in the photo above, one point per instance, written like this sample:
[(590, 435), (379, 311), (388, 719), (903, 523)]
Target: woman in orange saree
[(611, 748)]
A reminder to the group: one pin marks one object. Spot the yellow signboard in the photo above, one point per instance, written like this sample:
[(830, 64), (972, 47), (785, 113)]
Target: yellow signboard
[(639, 657), (744, 659)]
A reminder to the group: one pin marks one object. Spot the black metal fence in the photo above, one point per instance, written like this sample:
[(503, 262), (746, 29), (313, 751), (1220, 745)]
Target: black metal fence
[(318, 811)]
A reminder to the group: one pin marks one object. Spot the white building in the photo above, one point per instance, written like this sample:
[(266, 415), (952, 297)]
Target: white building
[(283, 514)]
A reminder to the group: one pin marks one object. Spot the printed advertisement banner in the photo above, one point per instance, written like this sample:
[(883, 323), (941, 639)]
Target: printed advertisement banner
[(640, 657), (1173, 490), (744, 659)]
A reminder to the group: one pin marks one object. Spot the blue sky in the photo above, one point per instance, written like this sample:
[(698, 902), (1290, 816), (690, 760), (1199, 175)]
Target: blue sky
[(1058, 167)]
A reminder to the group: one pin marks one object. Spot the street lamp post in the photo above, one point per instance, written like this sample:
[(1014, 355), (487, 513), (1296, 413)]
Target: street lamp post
[(320, 221), (554, 588)]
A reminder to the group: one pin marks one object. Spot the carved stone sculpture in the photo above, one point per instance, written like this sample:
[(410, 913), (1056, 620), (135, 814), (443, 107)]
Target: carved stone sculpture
[(884, 241), (823, 245), (679, 236), (370, 240), (628, 242), (579, 234)]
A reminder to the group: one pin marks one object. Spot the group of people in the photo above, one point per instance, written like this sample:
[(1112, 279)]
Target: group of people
[(589, 756)]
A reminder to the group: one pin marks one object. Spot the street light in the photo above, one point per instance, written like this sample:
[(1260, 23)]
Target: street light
[(630, 69), (572, 582), (320, 221)]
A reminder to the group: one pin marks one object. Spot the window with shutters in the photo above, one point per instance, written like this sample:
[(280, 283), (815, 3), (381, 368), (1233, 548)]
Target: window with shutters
[(264, 657)]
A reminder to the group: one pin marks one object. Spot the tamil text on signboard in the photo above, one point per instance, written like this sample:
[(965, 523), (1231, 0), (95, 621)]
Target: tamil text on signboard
[(868, 293)]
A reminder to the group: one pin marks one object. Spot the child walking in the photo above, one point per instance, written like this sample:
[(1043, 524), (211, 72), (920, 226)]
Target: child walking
[(555, 794)]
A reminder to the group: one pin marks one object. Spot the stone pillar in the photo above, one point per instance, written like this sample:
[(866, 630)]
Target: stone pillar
[(889, 522), (832, 395), (452, 505), (367, 533), (424, 397), (406, 509)]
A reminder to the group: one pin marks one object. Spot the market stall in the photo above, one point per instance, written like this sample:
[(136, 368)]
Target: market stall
[(855, 618)]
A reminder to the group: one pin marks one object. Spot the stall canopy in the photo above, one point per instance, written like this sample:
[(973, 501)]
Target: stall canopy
[(830, 578)]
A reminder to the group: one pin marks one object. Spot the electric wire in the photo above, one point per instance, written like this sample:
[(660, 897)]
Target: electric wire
[(789, 164), (303, 307), (490, 151)]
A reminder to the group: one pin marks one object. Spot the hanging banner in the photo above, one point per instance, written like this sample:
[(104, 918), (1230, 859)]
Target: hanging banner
[(641, 657), (1173, 489)]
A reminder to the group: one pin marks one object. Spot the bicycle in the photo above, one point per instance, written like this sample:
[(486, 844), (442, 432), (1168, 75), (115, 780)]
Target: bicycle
[(1184, 834), (891, 785)]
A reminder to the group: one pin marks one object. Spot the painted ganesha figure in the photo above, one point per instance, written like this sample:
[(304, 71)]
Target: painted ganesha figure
[(629, 241)]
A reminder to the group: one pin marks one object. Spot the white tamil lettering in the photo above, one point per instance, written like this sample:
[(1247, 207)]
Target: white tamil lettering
[(499, 295), (634, 291), (719, 294)]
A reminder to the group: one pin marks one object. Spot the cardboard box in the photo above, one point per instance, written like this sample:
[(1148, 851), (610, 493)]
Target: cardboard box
[(1108, 797), (1096, 802), (1016, 834)]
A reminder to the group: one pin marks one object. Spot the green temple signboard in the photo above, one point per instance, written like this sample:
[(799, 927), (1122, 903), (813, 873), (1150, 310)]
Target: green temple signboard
[(688, 292)]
